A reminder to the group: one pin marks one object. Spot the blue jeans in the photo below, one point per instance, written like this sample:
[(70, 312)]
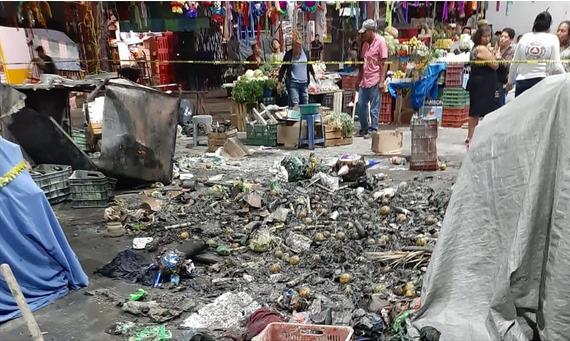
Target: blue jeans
[(372, 96), (298, 93)]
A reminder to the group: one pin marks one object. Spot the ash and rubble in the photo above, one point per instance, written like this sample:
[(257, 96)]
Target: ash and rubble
[(315, 250)]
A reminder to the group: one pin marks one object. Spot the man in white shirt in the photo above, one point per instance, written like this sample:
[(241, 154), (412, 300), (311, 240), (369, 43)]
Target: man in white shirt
[(538, 45)]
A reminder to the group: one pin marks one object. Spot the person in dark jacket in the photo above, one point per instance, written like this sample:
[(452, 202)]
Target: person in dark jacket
[(45, 62), (297, 69)]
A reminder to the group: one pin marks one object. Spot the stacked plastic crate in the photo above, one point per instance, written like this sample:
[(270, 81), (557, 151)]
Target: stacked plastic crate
[(386, 112), (165, 55), (455, 98)]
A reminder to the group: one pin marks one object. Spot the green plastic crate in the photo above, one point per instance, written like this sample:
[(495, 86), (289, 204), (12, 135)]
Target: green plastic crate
[(455, 98), (90, 189), (261, 135)]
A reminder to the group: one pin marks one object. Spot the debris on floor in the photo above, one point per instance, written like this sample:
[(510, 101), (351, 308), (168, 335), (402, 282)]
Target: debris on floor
[(313, 243)]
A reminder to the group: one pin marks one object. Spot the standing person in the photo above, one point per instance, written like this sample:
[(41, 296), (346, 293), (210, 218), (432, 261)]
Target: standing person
[(297, 70), (564, 39), (316, 48), (276, 55), (505, 52), (371, 76), (254, 58), (482, 82), (538, 45), (45, 62)]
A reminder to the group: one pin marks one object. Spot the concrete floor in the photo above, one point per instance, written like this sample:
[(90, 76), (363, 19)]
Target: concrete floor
[(81, 317)]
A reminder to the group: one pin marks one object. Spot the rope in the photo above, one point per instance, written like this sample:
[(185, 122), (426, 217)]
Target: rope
[(13, 173)]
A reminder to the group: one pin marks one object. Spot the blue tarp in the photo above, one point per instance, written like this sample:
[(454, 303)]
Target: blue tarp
[(426, 86), (32, 242)]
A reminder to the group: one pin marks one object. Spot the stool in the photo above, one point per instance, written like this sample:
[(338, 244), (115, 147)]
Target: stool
[(311, 140), (205, 120)]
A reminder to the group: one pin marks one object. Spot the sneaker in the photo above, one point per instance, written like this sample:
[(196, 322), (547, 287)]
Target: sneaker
[(366, 136), (361, 134)]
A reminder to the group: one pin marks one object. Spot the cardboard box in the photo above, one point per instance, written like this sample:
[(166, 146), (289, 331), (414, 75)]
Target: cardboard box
[(387, 142), (288, 134)]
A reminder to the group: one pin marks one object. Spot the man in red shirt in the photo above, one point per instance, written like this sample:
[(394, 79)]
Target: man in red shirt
[(371, 77)]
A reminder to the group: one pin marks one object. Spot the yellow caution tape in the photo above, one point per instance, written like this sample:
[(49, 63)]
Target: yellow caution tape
[(13, 173), (346, 62)]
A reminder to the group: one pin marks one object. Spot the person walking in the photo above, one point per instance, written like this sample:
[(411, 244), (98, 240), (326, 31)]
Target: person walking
[(504, 53), (483, 80), (564, 39), (538, 46), (371, 77), (296, 67)]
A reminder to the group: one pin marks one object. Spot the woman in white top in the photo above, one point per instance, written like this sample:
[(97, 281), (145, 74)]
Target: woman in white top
[(538, 45), (564, 38)]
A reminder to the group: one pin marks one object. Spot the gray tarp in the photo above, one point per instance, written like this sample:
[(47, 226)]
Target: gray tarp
[(501, 267), (139, 132)]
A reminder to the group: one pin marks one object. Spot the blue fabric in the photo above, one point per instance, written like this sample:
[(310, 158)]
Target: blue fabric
[(425, 87), (298, 93), (372, 96), (32, 242)]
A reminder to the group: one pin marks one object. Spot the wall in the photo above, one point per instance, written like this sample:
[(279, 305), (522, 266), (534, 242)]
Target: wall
[(522, 13)]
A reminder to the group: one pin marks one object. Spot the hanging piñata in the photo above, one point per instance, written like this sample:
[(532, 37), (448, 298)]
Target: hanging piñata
[(309, 6), (217, 12), (191, 9)]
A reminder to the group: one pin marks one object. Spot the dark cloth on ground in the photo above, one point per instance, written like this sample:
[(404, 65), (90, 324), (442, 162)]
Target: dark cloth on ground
[(260, 319), (129, 265)]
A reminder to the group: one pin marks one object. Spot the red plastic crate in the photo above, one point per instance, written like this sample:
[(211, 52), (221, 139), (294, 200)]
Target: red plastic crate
[(386, 113), (454, 118), (349, 82), (454, 76), (277, 331), (424, 166)]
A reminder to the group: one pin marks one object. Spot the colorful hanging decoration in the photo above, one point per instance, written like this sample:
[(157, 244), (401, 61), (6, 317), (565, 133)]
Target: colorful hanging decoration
[(242, 9), (309, 6), (406, 11), (217, 12), (281, 7), (258, 8), (177, 7), (191, 8), (389, 10), (445, 15), (474, 5), (461, 9)]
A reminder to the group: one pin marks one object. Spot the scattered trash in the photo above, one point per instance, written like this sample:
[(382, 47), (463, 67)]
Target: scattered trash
[(398, 160), (196, 335), (298, 243), (137, 296), (115, 229), (153, 333), (140, 243), (225, 312), (351, 167)]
